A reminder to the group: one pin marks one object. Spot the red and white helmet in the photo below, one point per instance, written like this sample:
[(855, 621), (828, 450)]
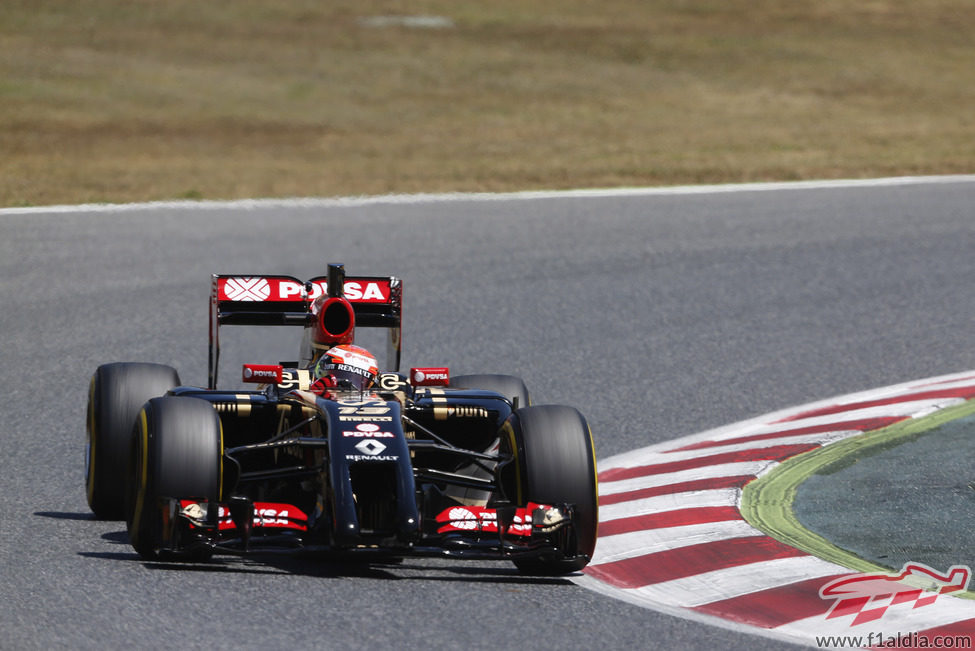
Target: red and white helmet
[(347, 365)]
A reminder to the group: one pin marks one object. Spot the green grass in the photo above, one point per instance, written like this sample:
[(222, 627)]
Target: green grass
[(117, 101)]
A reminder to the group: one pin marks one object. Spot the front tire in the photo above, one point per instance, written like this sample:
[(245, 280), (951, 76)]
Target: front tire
[(558, 465), (116, 393), (176, 452)]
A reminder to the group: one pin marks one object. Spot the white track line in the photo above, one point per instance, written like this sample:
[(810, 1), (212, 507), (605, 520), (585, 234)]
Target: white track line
[(413, 199)]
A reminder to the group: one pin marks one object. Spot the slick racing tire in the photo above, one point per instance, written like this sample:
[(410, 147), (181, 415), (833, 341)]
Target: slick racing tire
[(176, 452), (511, 387), (116, 393), (558, 466)]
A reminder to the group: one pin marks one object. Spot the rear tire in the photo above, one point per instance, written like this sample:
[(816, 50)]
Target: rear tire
[(116, 393), (176, 452), (511, 387), (558, 466)]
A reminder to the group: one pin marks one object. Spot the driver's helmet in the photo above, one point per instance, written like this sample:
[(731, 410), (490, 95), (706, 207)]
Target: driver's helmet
[(347, 366)]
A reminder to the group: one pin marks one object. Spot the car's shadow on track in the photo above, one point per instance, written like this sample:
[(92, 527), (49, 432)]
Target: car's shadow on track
[(408, 569), (482, 574), (331, 569), (62, 515), (411, 569)]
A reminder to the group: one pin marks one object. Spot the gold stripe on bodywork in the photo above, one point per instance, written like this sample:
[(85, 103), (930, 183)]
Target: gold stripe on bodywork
[(439, 400), (243, 404)]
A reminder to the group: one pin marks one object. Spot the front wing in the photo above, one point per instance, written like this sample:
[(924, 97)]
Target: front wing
[(465, 532)]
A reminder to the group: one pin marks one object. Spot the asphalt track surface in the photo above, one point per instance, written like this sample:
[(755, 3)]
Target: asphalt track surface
[(659, 315)]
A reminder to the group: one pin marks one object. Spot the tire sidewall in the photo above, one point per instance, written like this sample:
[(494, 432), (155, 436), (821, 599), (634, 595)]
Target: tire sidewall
[(116, 393), (557, 465), (176, 451)]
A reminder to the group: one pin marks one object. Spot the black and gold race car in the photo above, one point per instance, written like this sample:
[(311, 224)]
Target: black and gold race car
[(329, 454)]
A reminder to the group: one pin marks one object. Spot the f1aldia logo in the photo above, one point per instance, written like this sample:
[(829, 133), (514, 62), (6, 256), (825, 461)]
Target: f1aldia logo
[(247, 289), (868, 596)]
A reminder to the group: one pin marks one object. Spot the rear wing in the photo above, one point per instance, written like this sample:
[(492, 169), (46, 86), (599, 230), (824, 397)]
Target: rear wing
[(283, 300)]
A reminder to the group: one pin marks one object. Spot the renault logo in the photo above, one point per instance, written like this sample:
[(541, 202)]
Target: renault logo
[(370, 447)]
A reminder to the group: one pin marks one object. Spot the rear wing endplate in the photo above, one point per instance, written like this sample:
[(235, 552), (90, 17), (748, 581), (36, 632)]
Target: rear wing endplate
[(283, 300)]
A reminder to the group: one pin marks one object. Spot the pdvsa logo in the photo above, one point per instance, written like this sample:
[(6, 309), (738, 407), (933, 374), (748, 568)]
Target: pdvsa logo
[(247, 289), (430, 376), (260, 288), (354, 291), (367, 430)]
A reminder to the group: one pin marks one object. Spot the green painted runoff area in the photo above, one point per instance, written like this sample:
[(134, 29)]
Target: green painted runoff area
[(768, 503)]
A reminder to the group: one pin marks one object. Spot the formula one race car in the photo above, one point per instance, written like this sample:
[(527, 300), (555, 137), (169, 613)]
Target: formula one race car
[(328, 454)]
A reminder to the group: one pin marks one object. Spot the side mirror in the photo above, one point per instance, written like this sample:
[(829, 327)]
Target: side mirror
[(262, 373), (430, 376)]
